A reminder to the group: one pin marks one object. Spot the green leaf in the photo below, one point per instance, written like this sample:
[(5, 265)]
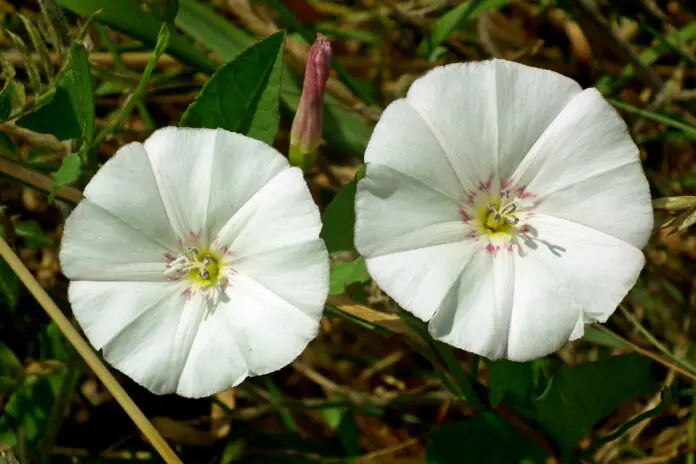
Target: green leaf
[(510, 378), (127, 17), (242, 96), (342, 275), (7, 146), (9, 285), (68, 111), (453, 19), (339, 220), (10, 365), (32, 234), (31, 406), (68, 173), (579, 397), (485, 438), (79, 84), (598, 337), (6, 99), (55, 114)]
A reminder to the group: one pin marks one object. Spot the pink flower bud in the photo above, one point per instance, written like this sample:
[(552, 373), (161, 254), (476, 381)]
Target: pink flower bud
[(306, 128)]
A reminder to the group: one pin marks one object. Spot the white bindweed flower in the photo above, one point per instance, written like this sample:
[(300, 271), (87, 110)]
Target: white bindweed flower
[(505, 205), (195, 261)]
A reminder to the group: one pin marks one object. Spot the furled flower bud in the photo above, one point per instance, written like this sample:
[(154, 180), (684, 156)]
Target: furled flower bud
[(306, 128)]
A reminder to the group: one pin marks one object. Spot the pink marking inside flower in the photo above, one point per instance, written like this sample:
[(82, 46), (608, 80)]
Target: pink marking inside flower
[(506, 184), (187, 294), (492, 249), (523, 193), (464, 215), (485, 186)]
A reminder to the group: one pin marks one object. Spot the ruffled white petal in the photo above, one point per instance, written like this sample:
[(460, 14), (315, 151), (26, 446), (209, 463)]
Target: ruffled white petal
[(475, 315), (104, 309), (565, 273), (403, 141), (97, 245), (293, 284), (182, 162), (299, 274), (215, 362), (587, 139), (395, 212), (419, 279), (528, 99), (241, 167), (458, 103), (125, 187), (616, 202), (154, 347), (281, 214), (269, 331)]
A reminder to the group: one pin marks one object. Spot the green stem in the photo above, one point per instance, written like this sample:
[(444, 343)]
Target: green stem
[(162, 44), (121, 67), (686, 128)]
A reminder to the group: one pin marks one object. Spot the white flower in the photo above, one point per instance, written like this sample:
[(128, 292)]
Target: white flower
[(505, 205), (195, 261)]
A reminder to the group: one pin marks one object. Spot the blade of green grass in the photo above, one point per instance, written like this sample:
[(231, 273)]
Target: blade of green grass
[(453, 19), (688, 129), (125, 16)]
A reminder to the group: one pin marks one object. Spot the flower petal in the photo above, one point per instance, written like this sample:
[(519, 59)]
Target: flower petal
[(475, 315), (419, 279), (269, 331), (182, 162), (395, 212), (96, 245), (616, 202), (104, 309), (154, 347), (586, 139), (241, 167), (528, 99), (566, 271), (458, 103), (281, 214), (299, 274), (295, 282), (404, 142), (215, 362), (125, 187)]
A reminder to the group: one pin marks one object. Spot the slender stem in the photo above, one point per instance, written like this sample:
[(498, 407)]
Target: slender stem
[(38, 180), (90, 357), (648, 354), (656, 117), (121, 67), (691, 456), (656, 343), (160, 47)]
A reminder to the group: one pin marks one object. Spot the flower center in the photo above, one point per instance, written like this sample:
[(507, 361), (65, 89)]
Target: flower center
[(500, 215), (497, 218), (201, 267)]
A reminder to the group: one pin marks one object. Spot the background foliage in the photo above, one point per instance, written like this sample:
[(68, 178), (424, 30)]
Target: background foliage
[(83, 77)]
